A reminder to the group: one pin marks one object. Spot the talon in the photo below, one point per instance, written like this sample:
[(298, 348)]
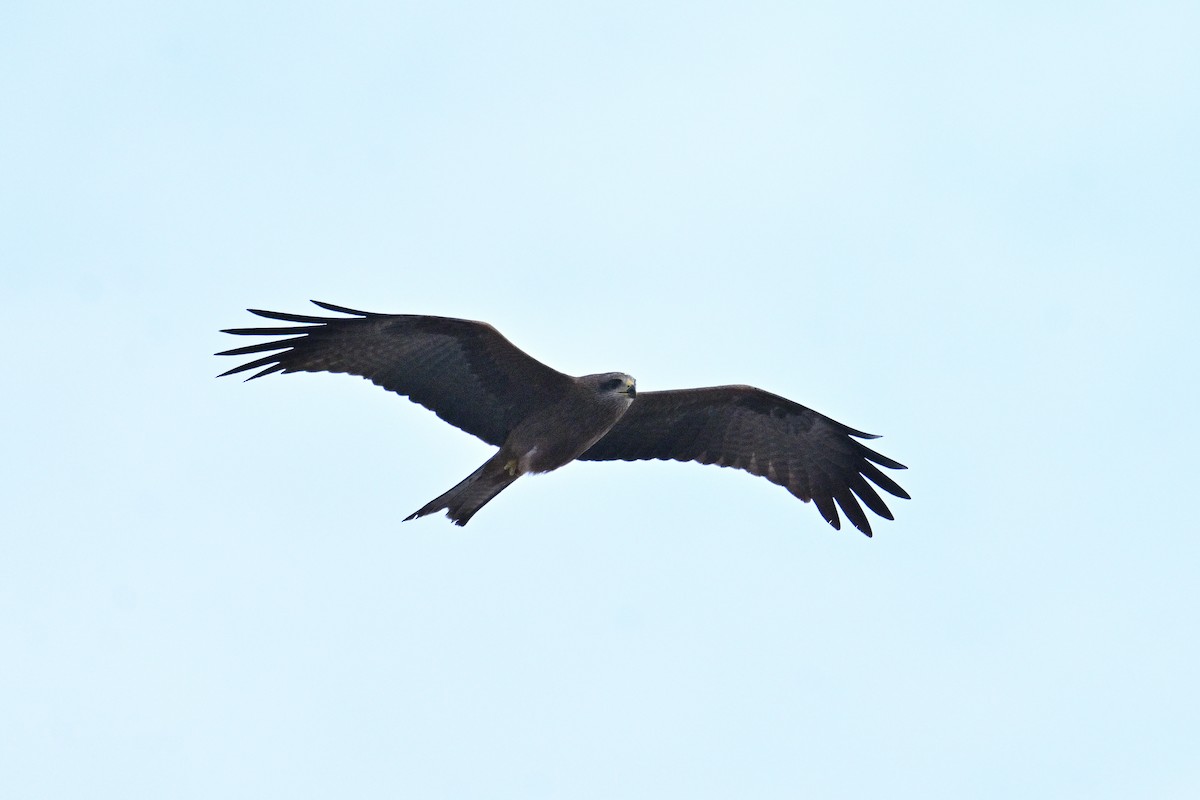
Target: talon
[(511, 467)]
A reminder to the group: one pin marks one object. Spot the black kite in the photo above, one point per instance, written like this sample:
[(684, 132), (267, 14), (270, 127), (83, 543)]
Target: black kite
[(475, 379)]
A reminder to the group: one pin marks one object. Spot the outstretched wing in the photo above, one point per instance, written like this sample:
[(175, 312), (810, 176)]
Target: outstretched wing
[(463, 371), (809, 454)]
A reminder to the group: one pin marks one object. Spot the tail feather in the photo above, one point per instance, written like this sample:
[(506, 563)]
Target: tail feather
[(471, 494)]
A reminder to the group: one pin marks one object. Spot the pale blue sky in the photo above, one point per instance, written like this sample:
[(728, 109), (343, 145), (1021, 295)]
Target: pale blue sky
[(970, 228)]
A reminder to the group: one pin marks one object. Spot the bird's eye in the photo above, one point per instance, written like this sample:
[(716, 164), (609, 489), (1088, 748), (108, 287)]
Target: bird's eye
[(612, 384)]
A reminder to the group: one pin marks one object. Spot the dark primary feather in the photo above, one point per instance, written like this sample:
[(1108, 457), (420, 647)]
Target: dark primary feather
[(809, 454), (464, 371)]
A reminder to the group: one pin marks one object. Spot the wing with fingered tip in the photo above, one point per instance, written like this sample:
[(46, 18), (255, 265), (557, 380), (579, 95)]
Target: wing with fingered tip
[(463, 371), (812, 456)]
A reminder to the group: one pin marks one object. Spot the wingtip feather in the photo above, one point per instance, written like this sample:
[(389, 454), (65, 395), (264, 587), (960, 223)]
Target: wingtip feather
[(343, 309), (286, 317)]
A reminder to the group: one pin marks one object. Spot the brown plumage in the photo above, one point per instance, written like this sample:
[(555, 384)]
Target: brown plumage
[(475, 379)]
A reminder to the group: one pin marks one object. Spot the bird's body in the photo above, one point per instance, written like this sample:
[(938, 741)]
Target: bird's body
[(570, 425), (540, 419)]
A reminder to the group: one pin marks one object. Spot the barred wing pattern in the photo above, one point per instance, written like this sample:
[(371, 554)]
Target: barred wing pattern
[(812, 456)]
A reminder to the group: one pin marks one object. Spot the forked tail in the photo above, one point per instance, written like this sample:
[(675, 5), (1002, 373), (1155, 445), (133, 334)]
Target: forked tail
[(471, 494)]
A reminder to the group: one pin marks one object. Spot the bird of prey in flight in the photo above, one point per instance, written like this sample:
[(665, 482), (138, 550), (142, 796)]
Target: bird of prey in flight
[(541, 419)]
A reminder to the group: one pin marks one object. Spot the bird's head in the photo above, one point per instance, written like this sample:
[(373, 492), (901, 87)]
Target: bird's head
[(613, 383)]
